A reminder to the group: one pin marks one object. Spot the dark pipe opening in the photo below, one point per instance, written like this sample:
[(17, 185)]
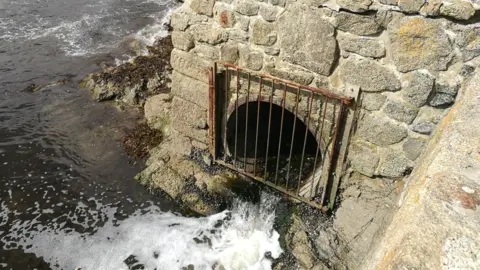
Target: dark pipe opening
[(246, 125)]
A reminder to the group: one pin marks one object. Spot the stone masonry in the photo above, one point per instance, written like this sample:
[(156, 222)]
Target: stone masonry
[(409, 59)]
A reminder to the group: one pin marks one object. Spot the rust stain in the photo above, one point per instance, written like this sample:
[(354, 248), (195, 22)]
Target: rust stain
[(224, 18)]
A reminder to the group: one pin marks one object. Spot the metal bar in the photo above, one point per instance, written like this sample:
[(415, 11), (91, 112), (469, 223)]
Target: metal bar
[(332, 153), (211, 108), (326, 93), (325, 103), (269, 127), (281, 131), (305, 143), (236, 121), (293, 136), (227, 90), (258, 122), (246, 126)]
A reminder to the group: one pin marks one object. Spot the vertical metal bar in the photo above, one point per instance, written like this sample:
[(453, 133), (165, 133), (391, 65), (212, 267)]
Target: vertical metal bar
[(305, 142), (236, 120), (246, 126), (258, 122), (293, 136), (225, 116), (325, 103), (281, 131), (269, 127), (334, 143)]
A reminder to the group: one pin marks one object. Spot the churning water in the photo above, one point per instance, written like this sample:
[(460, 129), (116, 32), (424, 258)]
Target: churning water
[(68, 199)]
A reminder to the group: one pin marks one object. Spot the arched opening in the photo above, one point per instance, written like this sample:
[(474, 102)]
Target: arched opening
[(281, 153)]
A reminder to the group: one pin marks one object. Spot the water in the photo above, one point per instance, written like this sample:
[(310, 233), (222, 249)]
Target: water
[(68, 199)]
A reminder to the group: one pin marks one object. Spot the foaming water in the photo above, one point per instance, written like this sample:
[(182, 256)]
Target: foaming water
[(237, 239)]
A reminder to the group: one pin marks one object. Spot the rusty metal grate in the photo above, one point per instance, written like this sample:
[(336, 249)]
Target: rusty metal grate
[(288, 136)]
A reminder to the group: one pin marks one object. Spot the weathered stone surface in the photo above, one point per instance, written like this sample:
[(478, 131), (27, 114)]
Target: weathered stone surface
[(190, 89), (247, 7), (280, 3), (369, 76), (394, 164), (208, 33), (431, 8), (466, 70), (425, 128), (363, 46), (238, 35), (418, 89), (268, 13), (364, 158), (429, 114), (182, 20), (413, 148), (442, 99), (420, 43), (207, 52), (313, 3), (289, 72), (224, 16), (157, 110), (457, 9), (373, 101), (355, 5), (381, 131), (448, 86), (242, 22), (263, 33), (182, 40), (300, 245), (389, 2), (204, 7), (400, 111), (271, 50), (190, 65), (302, 47), (410, 6), (252, 60), (229, 53), (188, 112), (469, 40), (362, 25)]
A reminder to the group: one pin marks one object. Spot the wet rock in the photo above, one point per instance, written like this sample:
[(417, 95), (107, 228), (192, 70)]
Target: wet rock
[(373, 101), (263, 33), (425, 128), (400, 111), (394, 164), (247, 7), (299, 243), (204, 7), (301, 47), (420, 43), (182, 40), (363, 46), (418, 89), (355, 5), (413, 148), (457, 9), (362, 25), (364, 158), (369, 76), (381, 131)]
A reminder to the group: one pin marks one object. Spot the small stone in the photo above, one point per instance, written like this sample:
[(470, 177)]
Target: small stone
[(362, 25), (468, 40), (243, 22), (457, 9), (363, 46), (355, 5), (271, 51), (182, 40), (263, 33), (268, 13), (413, 148), (238, 35), (253, 60), (467, 70), (364, 158), (451, 88), (313, 3), (207, 159), (280, 3), (381, 131), (400, 112), (229, 53), (411, 6), (395, 164), (369, 76), (389, 2), (425, 128), (419, 87), (420, 43), (225, 17), (247, 8), (373, 101), (441, 99), (431, 8), (204, 7)]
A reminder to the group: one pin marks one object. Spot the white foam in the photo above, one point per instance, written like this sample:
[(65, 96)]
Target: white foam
[(236, 239)]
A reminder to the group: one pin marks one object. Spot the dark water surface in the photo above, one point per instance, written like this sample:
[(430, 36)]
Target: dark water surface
[(61, 167)]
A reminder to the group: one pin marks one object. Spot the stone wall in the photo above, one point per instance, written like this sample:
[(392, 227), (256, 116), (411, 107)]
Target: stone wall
[(409, 59)]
